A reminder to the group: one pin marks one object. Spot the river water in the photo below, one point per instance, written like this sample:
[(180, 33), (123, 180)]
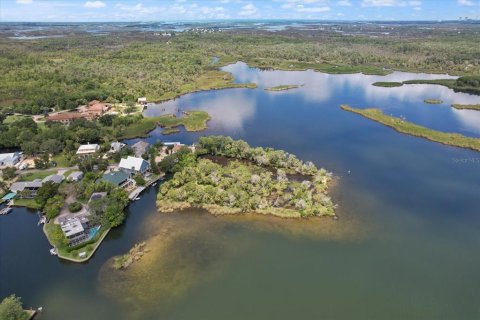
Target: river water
[(405, 247)]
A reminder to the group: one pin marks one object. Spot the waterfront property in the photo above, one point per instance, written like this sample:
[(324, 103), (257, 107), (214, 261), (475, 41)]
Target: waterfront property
[(75, 228), (87, 149), (142, 101), (117, 178), (133, 165), (65, 118), (26, 189), (10, 159)]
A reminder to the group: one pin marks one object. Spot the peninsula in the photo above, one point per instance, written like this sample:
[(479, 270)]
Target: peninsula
[(400, 125), (226, 176)]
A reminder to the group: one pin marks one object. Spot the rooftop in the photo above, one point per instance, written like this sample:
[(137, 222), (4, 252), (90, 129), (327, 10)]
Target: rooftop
[(132, 163), (88, 148), (72, 226), (55, 178), (115, 177)]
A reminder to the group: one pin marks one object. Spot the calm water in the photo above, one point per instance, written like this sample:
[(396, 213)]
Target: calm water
[(406, 246)]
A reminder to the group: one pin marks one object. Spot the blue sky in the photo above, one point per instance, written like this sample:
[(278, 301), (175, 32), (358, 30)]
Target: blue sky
[(169, 10)]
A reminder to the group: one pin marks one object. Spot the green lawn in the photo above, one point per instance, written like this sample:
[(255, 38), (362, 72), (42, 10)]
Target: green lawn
[(13, 118), (30, 176), (29, 203), (400, 125), (61, 160)]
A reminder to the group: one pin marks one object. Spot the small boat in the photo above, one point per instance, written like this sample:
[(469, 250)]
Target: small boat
[(154, 184), (5, 210), (53, 252), (42, 220), (137, 198)]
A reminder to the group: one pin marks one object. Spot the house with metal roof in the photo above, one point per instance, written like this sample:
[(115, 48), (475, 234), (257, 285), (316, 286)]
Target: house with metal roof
[(75, 176), (133, 165), (118, 178), (55, 178), (26, 189), (86, 149)]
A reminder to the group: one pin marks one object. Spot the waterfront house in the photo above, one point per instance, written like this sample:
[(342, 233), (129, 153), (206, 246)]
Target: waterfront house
[(75, 228), (10, 159), (118, 178), (134, 165), (140, 148), (26, 189), (86, 149), (116, 146), (75, 176)]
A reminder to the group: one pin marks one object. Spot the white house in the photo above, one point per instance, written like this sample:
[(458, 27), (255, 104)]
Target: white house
[(85, 149), (10, 159), (142, 100), (134, 165)]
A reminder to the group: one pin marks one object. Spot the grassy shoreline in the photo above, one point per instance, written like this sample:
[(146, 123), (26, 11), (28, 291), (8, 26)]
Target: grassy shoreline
[(433, 101), (466, 106), (453, 84), (450, 139), (192, 121), (282, 88), (387, 84), (89, 248)]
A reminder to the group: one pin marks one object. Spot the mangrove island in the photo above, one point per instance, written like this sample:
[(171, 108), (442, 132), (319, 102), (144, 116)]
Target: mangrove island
[(226, 176)]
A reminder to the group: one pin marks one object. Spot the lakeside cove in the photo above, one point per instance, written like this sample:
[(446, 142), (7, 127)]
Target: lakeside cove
[(195, 257)]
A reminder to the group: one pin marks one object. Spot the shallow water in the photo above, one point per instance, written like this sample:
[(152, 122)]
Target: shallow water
[(405, 245)]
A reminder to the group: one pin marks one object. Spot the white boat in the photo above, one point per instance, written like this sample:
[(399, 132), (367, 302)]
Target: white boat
[(137, 198), (53, 252)]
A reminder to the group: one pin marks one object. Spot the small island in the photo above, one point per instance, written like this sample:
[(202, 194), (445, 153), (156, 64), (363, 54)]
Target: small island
[(400, 125), (195, 120), (433, 101), (226, 176), (466, 106), (387, 84), (283, 88)]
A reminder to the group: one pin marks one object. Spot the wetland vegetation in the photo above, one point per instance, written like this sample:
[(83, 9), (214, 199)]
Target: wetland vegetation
[(466, 106), (403, 126), (250, 180), (282, 88), (433, 101)]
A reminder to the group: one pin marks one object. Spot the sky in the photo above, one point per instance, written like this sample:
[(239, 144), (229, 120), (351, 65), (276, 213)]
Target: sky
[(183, 10)]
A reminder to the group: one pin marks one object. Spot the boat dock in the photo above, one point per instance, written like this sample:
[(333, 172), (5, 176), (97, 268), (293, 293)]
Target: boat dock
[(135, 193), (6, 210)]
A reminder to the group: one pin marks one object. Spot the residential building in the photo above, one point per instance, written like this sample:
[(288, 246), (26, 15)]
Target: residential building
[(140, 148), (118, 178), (55, 178), (10, 159), (75, 176), (26, 189), (134, 165), (116, 146), (75, 228), (65, 118), (87, 149)]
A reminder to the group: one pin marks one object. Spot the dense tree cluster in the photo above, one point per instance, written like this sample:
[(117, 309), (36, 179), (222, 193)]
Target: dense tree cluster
[(11, 309)]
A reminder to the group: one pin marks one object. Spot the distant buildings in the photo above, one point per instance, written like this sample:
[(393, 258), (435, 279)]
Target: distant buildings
[(92, 111), (10, 159), (142, 101), (87, 149), (65, 118), (133, 165), (140, 148)]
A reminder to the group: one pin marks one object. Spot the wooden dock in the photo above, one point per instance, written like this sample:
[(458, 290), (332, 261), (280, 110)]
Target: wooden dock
[(135, 193)]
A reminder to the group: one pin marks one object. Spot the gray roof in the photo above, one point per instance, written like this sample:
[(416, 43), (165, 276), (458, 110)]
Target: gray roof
[(75, 175), (140, 148), (115, 177), (55, 178), (20, 186), (72, 227)]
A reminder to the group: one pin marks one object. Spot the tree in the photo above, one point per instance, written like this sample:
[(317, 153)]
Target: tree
[(9, 173), (57, 236), (46, 191), (53, 206), (139, 180), (11, 309), (153, 166)]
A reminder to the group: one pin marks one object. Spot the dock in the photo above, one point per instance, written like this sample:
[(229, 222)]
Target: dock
[(135, 193), (6, 210)]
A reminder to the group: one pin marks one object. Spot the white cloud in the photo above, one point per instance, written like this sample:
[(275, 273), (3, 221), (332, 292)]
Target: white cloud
[(249, 10), (344, 3), (468, 3), (94, 4), (381, 3), (303, 9), (415, 3), (24, 1)]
